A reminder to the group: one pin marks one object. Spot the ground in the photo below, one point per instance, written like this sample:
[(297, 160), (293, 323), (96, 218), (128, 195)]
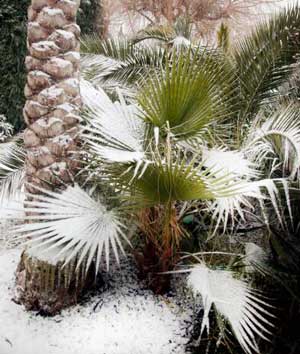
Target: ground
[(121, 318)]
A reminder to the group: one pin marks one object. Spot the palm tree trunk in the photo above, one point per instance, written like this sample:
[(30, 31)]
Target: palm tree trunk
[(51, 137)]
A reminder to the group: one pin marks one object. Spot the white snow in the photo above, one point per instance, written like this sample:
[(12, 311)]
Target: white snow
[(123, 319), (61, 63), (65, 34), (53, 12)]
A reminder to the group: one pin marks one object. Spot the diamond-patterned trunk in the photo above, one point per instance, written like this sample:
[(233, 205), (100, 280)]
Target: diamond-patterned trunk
[(51, 137)]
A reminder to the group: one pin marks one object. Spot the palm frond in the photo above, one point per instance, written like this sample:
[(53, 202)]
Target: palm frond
[(113, 48), (114, 131), (188, 94), (263, 60), (12, 171), (277, 138), (171, 177), (229, 161), (72, 224), (161, 33), (179, 34), (116, 63), (229, 205), (240, 305)]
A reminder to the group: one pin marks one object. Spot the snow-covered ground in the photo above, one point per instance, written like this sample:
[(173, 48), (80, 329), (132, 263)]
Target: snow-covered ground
[(121, 319)]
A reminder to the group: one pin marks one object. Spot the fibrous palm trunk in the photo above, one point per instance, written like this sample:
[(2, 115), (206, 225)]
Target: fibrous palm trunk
[(51, 137)]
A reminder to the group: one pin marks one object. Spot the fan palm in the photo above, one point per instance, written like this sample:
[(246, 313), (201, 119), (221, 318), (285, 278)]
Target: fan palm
[(158, 151)]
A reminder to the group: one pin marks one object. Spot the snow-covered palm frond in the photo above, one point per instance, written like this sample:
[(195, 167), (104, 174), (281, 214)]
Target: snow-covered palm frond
[(6, 129), (106, 73), (178, 178), (180, 42), (72, 224), (227, 206), (229, 161), (179, 35), (278, 136), (115, 132), (240, 305), (12, 159), (160, 33)]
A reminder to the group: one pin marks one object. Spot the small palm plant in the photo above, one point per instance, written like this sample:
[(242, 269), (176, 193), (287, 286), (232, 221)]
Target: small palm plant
[(155, 154), (161, 152)]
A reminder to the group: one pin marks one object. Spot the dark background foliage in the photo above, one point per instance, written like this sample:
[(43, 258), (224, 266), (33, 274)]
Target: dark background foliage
[(86, 16), (13, 20), (13, 17)]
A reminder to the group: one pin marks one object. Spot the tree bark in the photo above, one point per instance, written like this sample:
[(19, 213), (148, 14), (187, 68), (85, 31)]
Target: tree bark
[(51, 138)]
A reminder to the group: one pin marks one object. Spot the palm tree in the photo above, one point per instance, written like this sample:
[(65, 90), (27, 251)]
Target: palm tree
[(51, 137), (155, 155)]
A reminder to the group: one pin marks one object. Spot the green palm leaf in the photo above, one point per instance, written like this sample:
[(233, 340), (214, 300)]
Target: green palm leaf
[(117, 63), (188, 94), (263, 60)]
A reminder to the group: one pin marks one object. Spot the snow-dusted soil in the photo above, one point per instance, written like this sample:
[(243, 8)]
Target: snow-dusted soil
[(122, 318)]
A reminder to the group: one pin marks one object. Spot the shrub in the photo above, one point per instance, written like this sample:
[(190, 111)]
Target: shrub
[(86, 16)]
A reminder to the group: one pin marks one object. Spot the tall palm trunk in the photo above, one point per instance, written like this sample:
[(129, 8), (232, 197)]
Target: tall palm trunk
[(51, 137)]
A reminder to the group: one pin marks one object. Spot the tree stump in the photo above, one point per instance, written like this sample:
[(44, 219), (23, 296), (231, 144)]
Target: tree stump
[(48, 287)]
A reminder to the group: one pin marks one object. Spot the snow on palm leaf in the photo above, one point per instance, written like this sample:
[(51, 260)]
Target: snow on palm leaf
[(226, 205), (234, 300), (278, 136), (115, 132), (242, 181), (179, 41), (12, 158), (177, 179), (72, 224), (227, 161)]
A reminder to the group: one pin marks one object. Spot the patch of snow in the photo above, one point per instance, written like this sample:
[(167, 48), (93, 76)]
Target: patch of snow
[(61, 63), (65, 34), (53, 12), (180, 41), (66, 107), (75, 55), (72, 82), (121, 319)]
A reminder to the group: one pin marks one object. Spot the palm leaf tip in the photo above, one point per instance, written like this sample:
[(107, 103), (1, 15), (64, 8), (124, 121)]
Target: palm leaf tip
[(278, 136), (235, 301), (77, 227), (12, 160)]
